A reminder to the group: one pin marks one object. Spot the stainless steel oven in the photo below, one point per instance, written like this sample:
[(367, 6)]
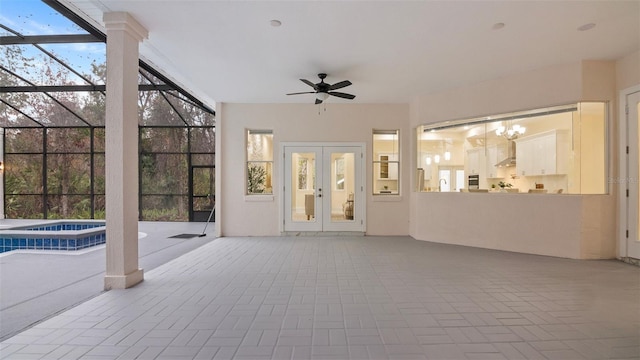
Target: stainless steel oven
[(474, 182)]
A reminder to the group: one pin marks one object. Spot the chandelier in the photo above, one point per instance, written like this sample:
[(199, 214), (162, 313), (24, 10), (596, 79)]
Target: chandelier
[(510, 132)]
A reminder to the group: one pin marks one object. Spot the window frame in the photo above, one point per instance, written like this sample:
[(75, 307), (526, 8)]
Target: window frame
[(377, 163), (268, 164), (561, 130)]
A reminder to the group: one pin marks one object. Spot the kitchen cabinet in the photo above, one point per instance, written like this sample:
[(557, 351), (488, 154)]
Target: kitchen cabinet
[(388, 167), (524, 157), (475, 160), (495, 154), (542, 154)]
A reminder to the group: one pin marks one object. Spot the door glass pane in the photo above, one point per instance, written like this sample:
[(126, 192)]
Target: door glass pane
[(303, 196), (342, 189)]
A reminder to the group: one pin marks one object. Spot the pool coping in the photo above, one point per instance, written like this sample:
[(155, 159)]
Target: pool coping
[(54, 240)]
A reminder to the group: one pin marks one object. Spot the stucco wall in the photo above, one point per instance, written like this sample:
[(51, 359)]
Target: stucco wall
[(530, 223), (533, 223), (556, 85), (571, 226), (253, 216), (628, 71)]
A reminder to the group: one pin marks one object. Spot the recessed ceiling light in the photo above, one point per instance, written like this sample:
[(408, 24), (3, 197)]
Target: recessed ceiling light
[(498, 26), (586, 27), (275, 23)]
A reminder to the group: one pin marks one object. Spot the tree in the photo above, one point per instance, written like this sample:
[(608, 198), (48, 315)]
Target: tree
[(65, 190)]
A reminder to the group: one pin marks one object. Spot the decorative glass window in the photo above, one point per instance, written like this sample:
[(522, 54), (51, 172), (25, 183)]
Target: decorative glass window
[(259, 162), (339, 171), (555, 150), (303, 173), (386, 162)]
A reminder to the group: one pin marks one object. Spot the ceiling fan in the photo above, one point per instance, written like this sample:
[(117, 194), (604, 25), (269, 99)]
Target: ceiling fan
[(323, 90)]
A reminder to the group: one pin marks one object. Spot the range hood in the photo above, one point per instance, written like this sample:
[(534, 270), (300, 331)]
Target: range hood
[(511, 155)]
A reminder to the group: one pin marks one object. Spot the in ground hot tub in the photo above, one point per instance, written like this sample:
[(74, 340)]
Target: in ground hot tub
[(58, 235)]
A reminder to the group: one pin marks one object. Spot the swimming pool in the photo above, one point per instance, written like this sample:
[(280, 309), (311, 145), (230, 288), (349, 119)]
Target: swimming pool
[(60, 235)]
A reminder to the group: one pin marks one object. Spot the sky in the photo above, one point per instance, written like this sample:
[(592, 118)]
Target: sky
[(33, 17)]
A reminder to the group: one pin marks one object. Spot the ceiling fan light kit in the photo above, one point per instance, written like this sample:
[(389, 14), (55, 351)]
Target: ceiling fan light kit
[(323, 90)]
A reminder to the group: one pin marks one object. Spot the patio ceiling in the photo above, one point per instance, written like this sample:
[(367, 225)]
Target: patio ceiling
[(392, 51)]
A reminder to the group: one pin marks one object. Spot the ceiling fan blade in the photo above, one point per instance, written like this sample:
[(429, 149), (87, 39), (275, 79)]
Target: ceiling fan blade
[(340, 85), (306, 92), (318, 101), (342, 95), (309, 83)]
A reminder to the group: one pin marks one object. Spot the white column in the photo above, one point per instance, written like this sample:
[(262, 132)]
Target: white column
[(124, 34)]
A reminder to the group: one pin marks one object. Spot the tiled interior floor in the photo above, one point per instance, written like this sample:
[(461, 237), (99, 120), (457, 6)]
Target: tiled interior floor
[(352, 298)]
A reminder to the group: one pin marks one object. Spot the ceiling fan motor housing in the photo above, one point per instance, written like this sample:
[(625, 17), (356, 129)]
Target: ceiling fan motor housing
[(322, 86)]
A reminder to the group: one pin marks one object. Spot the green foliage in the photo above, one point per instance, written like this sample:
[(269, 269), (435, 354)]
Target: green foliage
[(203, 181), (99, 214), (23, 206), (69, 207), (256, 179), (503, 184), (164, 173), (162, 215)]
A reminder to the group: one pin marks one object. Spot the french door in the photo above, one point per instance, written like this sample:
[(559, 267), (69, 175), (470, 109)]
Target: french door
[(632, 183), (324, 188)]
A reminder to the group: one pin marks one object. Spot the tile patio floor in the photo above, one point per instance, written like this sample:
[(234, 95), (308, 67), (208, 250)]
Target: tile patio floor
[(352, 298), (36, 284)]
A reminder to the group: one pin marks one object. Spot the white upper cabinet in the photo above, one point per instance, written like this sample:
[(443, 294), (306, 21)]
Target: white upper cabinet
[(524, 157), (542, 154), (475, 160)]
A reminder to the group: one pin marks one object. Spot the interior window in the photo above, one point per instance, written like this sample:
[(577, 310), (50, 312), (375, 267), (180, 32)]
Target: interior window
[(386, 162), (259, 162), (557, 150)]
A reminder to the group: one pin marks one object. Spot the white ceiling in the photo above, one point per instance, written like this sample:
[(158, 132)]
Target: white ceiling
[(391, 51)]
